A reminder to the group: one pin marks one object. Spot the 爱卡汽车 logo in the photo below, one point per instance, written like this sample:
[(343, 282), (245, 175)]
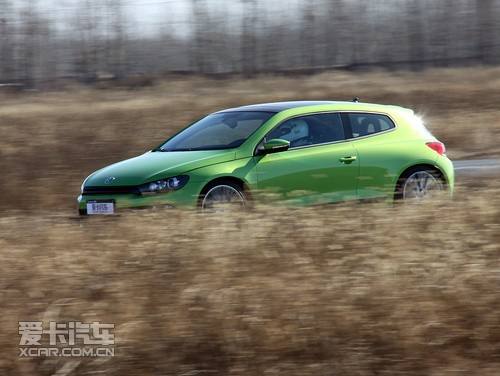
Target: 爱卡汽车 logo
[(67, 339)]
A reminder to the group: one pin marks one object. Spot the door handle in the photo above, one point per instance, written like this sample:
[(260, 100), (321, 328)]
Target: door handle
[(348, 160)]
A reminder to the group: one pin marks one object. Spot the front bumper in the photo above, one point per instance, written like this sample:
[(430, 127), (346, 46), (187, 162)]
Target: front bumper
[(185, 198)]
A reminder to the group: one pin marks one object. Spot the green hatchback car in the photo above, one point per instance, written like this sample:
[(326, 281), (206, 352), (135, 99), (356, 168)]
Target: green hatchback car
[(302, 153)]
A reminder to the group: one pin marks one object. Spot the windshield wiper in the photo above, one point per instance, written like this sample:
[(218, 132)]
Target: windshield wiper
[(207, 148), (172, 150)]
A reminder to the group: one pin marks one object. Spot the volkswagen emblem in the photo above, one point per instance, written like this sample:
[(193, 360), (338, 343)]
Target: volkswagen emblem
[(109, 180)]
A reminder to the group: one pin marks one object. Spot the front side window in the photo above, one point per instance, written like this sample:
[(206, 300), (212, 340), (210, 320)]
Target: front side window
[(309, 130), (368, 124), (224, 130)]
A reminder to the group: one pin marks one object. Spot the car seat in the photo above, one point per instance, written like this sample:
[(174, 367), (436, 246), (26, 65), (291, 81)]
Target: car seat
[(368, 126)]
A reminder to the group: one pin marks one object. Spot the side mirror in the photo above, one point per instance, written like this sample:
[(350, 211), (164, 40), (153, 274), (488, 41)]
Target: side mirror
[(273, 146)]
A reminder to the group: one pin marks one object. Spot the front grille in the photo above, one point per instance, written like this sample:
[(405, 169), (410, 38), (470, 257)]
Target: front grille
[(111, 190)]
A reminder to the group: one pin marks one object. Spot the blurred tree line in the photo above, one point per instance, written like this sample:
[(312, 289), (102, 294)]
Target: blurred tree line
[(97, 38)]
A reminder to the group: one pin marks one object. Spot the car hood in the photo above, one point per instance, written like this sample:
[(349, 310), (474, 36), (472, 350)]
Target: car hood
[(156, 165)]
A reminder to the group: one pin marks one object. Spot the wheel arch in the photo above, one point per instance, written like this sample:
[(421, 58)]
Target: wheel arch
[(224, 179), (416, 167)]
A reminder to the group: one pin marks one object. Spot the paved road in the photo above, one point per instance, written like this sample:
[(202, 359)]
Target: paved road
[(477, 167)]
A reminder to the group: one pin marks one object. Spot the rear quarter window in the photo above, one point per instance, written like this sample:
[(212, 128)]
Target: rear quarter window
[(369, 124)]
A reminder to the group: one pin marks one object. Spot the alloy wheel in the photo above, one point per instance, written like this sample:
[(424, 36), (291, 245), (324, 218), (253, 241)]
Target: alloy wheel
[(421, 185), (223, 198)]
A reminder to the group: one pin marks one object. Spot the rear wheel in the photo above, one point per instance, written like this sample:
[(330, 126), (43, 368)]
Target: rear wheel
[(225, 196), (420, 184)]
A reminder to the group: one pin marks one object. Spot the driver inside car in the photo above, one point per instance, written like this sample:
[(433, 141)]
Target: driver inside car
[(296, 131)]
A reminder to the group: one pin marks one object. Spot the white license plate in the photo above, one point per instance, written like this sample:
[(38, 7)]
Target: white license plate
[(100, 208)]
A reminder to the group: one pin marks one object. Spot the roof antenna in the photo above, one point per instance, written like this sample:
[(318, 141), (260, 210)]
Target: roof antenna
[(355, 99)]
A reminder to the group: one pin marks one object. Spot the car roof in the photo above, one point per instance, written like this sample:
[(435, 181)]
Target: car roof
[(277, 107)]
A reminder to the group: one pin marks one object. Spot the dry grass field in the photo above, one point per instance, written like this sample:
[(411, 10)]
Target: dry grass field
[(342, 290), (366, 290)]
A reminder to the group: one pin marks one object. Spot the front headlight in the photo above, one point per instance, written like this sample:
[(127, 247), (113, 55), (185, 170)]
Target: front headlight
[(164, 185)]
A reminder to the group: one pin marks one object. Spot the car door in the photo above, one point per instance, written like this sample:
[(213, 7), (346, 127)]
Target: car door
[(377, 148), (320, 166)]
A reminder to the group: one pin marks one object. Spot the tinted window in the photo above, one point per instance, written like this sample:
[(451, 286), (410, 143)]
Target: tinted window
[(218, 131), (310, 130), (368, 124)]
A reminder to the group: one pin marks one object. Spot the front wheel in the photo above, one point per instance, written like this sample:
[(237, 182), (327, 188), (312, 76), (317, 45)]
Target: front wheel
[(420, 185), (223, 197)]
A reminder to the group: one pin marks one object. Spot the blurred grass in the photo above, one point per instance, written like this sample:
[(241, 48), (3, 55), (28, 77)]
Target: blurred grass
[(341, 290), (49, 142)]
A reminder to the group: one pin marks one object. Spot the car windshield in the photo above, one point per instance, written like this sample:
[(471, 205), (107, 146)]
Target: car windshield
[(219, 131)]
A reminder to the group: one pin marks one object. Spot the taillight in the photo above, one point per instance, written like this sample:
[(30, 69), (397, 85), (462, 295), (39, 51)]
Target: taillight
[(437, 146)]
